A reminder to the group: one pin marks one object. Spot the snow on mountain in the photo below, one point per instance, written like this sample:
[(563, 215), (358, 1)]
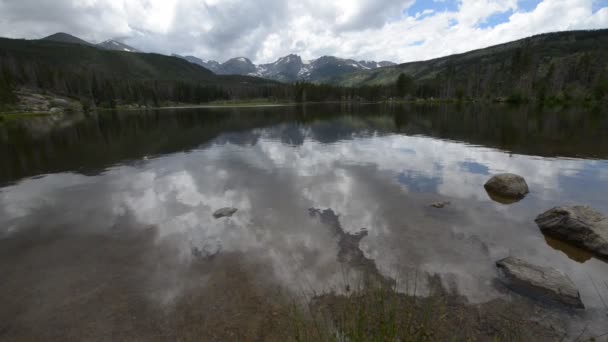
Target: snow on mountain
[(290, 68), (116, 46)]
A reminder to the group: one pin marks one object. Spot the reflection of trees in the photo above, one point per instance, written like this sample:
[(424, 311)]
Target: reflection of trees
[(34, 147), (569, 132)]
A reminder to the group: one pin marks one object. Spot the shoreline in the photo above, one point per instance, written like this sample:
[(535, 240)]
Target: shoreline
[(11, 115)]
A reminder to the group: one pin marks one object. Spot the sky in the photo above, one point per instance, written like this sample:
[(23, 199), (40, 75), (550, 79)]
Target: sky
[(264, 30)]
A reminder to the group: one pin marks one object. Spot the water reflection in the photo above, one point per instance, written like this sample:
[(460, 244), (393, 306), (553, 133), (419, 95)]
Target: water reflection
[(502, 199), (573, 252), (90, 144), (376, 168)]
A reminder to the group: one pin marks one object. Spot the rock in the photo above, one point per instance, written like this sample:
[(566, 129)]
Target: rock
[(440, 205), (507, 188), (581, 226), (207, 252), (544, 283), (59, 102), (224, 212)]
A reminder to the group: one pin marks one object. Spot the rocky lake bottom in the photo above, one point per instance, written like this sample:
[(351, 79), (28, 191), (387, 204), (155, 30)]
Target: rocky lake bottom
[(313, 222)]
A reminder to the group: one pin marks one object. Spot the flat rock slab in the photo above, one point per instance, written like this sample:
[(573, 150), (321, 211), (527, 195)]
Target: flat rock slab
[(544, 283), (507, 187), (581, 226), (224, 212)]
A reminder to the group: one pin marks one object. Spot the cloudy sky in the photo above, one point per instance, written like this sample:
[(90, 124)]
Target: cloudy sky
[(263, 30)]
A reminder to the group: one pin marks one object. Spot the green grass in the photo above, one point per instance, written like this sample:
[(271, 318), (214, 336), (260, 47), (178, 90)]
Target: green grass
[(381, 313), (375, 311)]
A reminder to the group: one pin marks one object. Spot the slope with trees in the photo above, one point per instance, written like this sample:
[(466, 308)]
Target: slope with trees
[(562, 65)]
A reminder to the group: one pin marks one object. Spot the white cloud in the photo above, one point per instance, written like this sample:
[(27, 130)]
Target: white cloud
[(267, 29)]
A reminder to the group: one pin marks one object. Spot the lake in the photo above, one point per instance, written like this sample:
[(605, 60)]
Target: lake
[(106, 221)]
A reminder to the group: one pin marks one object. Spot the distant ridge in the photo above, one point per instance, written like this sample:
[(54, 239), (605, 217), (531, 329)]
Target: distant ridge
[(110, 44), (62, 37), (290, 68), (115, 45)]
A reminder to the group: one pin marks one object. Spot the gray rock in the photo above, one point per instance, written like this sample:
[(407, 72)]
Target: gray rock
[(544, 283), (581, 226), (507, 187), (61, 103), (440, 205), (224, 212)]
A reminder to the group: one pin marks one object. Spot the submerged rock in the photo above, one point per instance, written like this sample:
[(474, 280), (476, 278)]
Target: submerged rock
[(507, 188), (440, 205), (207, 251), (581, 226), (544, 283), (224, 212)]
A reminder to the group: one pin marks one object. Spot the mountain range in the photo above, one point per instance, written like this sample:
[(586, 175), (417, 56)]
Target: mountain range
[(109, 44), (290, 68), (287, 69), (554, 66), (103, 77)]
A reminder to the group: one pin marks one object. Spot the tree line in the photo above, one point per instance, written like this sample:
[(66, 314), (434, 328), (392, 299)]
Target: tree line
[(521, 76)]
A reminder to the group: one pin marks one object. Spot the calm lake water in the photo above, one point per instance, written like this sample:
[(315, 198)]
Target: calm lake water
[(108, 218)]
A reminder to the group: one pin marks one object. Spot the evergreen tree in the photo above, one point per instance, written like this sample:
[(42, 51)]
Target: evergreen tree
[(405, 85)]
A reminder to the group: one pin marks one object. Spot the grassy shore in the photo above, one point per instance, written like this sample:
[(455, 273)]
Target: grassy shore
[(13, 116), (383, 314)]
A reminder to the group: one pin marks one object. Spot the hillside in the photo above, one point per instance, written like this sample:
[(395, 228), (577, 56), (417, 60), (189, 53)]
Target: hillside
[(566, 63), (114, 76)]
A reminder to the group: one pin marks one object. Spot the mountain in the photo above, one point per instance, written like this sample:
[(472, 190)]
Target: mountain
[(112, 77), (563, 64), (293, 68), (116, 46), (109, 44), (61, 37), (375, 65), (211, 65), (559, 66), (238, 66), (290, 68), (286, 69)]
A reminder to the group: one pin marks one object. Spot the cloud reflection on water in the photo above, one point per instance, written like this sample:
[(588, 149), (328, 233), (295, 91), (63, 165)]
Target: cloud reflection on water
[(381, 182)]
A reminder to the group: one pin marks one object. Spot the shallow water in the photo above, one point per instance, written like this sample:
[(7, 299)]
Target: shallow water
[(117, 208)]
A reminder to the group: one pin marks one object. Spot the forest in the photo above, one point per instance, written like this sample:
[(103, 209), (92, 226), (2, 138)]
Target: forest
[(556, 68)]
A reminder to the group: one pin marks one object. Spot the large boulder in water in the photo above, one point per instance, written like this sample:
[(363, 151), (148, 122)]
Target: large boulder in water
[(543, 283), (581, 226), (507, 187)]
